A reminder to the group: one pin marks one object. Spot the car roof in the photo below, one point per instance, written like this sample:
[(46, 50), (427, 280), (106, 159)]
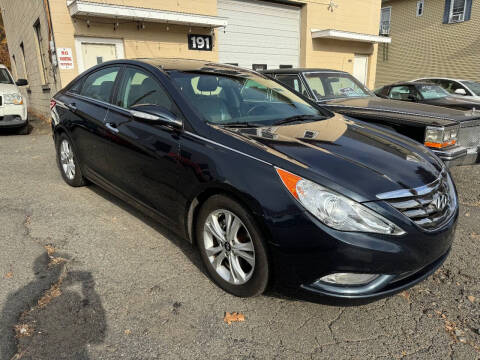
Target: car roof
[(301, 70), (171, 64), (439, 78), (400, 83)]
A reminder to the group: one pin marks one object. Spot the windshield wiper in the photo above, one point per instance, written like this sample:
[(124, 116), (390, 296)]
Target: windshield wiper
[(239, 124), (299, 118)]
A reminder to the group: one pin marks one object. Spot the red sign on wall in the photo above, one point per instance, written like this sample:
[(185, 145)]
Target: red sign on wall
[(65, 58)]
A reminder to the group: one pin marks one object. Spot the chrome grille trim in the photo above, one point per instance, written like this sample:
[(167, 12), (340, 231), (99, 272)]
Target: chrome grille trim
[(428, 206), (469, 134)]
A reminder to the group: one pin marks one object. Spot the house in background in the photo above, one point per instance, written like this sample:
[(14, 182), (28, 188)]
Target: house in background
[(52, 41), (430, 38)]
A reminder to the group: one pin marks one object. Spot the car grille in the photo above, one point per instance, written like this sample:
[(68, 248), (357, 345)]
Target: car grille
[(429, 206), (469, 134)]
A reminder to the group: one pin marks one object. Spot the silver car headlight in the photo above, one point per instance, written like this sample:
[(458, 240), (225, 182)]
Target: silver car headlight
[(440, 137), (335, 210), (13, 99)]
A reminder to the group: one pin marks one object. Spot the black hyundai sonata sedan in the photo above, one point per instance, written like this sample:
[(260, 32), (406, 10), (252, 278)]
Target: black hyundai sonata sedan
[(267, 184)]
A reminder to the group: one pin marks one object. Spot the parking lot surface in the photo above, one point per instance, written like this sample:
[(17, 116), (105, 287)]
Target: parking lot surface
[(85, 276)]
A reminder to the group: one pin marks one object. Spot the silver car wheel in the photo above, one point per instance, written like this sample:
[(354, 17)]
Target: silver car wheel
[(66, 159), (229, 247)]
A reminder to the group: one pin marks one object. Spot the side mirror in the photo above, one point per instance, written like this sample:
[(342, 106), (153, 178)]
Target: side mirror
[(460, 91), (21, 82), (155, 114)]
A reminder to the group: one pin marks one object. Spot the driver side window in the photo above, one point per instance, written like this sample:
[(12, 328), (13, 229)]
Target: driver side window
[(140, 88)]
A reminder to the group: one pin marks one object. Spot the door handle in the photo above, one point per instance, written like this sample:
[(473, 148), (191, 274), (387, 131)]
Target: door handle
[(112, 127), (72, 107)]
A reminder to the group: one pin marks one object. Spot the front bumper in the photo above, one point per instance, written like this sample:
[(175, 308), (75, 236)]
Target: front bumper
[(13, 116), (307, 250), (459, 155)]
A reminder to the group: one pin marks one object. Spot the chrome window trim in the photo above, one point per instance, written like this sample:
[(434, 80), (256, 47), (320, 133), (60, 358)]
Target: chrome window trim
[(226, 147)]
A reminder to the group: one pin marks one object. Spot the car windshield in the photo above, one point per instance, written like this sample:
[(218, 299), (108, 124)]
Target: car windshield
[(5, 77), (335, 85), (474, 86), (432, 91), (243, 98)]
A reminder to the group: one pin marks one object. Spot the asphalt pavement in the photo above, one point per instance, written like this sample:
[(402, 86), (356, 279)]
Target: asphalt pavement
[(85, 276)]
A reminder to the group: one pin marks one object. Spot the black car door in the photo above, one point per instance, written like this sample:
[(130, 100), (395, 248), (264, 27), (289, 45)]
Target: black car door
[(142, 156), (87, 106)]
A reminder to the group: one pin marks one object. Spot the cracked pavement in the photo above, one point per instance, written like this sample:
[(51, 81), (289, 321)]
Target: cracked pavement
[(132, 290)]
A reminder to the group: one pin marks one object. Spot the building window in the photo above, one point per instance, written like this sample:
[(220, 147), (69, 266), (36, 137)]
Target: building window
[(385, 16), (24, 63), (457, 11), (420, 5), (40, 52)]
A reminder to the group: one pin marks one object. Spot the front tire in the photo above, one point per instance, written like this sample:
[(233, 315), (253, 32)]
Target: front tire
[(67, 162), (231, 247)]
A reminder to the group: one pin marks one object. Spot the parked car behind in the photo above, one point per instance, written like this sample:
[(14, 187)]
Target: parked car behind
[(466, 88), (267, 184), (426, 93), (453, 135), (13, 108)]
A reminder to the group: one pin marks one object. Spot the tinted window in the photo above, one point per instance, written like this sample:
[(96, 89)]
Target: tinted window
[(5, 77), (293, 82), (75, 88), (99, 85), (474, 86), (240, 98), (451, 86), (403, 92), (140, 88), (335, 85), (432, 91)]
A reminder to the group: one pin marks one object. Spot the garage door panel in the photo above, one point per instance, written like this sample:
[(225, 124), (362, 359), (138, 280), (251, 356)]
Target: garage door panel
[(235, 6), (259, 32)]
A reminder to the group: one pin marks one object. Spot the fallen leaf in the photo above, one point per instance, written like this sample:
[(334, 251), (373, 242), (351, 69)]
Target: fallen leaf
[(233, 317), (127, 332), (471, 298), (405, 295), (50, 250), (449, 326), (9, 275), (23, 330)]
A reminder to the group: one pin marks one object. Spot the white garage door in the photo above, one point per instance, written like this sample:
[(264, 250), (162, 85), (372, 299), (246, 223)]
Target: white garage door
[(259, 33)]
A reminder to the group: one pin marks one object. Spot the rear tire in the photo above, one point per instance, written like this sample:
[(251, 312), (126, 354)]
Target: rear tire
[(232, 247), (68, 163), (25, 130)]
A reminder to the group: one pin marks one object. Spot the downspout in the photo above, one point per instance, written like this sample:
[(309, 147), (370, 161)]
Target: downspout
[(51, 41)]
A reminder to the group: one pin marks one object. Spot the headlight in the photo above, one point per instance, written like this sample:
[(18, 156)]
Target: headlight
[(439, 137), (15, 99), (335, 210)]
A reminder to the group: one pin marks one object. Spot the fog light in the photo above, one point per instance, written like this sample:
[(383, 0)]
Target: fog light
[(349, 278)]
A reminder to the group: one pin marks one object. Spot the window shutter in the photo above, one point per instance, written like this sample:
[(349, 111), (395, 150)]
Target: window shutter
[(468, 10), (446, 13)]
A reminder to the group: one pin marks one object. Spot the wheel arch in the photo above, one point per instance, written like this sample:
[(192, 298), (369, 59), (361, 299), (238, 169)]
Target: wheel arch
[(195, 204)]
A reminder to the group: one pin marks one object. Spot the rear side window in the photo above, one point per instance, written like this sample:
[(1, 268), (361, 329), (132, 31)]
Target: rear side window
[(293, 82), (99, 85)]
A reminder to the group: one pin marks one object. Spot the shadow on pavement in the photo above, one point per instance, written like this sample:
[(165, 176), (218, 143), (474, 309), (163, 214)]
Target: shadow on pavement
[(59, 313)]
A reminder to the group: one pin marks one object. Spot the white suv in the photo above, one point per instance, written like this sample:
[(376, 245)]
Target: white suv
[(13, 108)]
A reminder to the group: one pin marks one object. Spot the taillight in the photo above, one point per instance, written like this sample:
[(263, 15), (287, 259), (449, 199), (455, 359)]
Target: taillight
[(52, 104)]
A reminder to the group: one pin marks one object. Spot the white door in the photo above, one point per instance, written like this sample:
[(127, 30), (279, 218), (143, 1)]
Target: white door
[(260, 33), (94, 51), (360, 68)]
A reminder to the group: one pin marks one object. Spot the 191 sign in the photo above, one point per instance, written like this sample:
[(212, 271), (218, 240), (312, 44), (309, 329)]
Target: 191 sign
[(200, 42)]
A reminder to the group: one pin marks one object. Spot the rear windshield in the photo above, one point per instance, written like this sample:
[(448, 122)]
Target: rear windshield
[(432, 91), (474, 86), (335, 85), (5, 77)]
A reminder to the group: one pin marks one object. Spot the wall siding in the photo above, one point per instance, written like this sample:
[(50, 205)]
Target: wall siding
[(423, 46)]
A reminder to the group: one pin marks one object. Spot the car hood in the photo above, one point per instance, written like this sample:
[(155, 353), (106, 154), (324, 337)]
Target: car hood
[(346, 154), (8, 89), (456, 101), (376, 107)]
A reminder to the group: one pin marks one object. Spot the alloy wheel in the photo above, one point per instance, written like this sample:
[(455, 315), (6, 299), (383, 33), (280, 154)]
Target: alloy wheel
[(66, 159), (229, 247)]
